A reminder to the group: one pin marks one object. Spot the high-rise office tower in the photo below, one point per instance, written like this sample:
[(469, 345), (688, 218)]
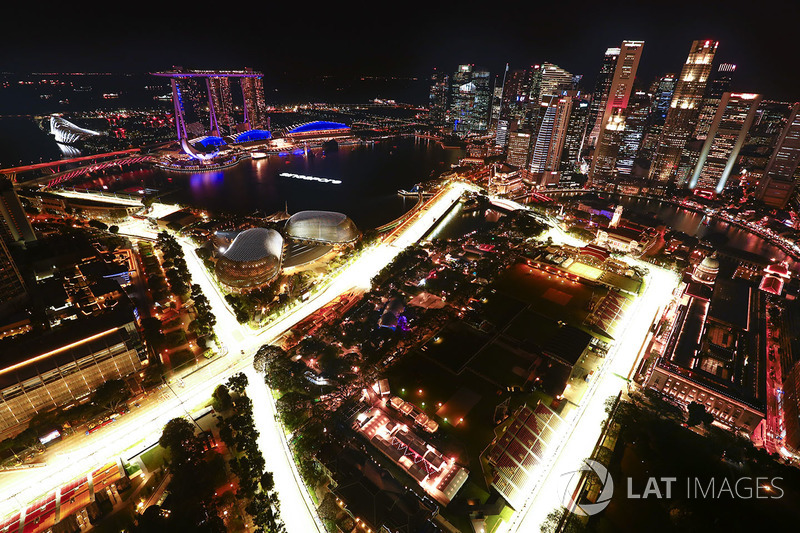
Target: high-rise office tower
[(550, 80), (604, 162), (497, 98), (635, 121), (778, 183), (471, 96), (576, 132), (725, 138), (661, 95), (14, 224), (546, 154), (600, 95), (501, 135), (437, 101), (12, 288), (514, 94), (519, 148), (619, 93), (719, 85), (684, 107)]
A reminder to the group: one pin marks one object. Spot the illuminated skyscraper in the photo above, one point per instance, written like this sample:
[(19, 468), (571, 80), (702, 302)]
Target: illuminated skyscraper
[(550, 80), (221, 106), (255, 106), (519, 148), (778, 182), (684, 107), (12, 288), (635, 120), (604, 162), (616, 104), (725, 138), (204, 97), (576, 132), (470, 100), (501, 136), (14, 224), (600, 95), (437, 101), (720, 84), (552, 133), (661, 95)]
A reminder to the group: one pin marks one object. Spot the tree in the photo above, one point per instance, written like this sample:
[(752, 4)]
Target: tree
[(267, 482), (179, 438), (265, 357), (222, 398), (111, 394), (238, 382), (97, 224), (328, 509), (698, 414)]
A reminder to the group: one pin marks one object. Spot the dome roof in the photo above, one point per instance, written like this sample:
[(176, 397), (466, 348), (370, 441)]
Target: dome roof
[(321, 226), (254, 244), (710, 263), (319, 125)]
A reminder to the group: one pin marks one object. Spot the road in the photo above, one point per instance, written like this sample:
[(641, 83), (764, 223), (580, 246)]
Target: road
[(139, 429), (583, 425)]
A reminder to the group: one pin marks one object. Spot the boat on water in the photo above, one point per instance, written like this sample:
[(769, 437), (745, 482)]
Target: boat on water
[(258, 155), (415, 191)]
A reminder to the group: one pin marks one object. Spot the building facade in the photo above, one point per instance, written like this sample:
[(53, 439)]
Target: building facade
[(470, 100), (725, 138), (681, 118), (66, 369), (778, 182)]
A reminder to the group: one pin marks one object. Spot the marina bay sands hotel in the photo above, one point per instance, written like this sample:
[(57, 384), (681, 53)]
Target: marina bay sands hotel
[(206, 97)]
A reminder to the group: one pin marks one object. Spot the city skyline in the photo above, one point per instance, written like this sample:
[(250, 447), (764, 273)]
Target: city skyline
[(410, 42)]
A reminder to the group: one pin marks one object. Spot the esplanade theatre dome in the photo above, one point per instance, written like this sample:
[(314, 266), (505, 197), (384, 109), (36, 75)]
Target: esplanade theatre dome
[(253, 258), (321, 226)]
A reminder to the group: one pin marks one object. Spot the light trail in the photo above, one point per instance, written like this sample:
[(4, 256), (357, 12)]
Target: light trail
[(141, 428), (584, 424), (310, 178)]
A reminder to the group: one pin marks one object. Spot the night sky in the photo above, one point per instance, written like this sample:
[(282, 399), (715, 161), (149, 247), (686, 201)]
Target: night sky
[(301, 41)]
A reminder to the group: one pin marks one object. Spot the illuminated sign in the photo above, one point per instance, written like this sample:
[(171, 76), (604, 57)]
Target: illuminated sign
[(53, 435)]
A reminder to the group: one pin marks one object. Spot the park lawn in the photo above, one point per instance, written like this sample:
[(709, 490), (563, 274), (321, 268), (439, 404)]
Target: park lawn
[(153, 458)]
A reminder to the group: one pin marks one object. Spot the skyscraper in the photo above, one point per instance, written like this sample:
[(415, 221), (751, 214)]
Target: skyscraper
[(661, 95), (220, 105), (255, 106), (470, 100), (778, 183), (725, 138), (576, 133), (720, 84), (604, 162), (619, 93), (519, 148), (550, 80), (600, 95), (546, 155), (204, 97), (14, 224), (437, 101), (635, 120), (12, 288), (684, 107)]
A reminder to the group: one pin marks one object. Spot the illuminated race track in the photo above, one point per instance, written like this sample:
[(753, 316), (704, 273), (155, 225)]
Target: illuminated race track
[(141, 428), (577, 439)]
